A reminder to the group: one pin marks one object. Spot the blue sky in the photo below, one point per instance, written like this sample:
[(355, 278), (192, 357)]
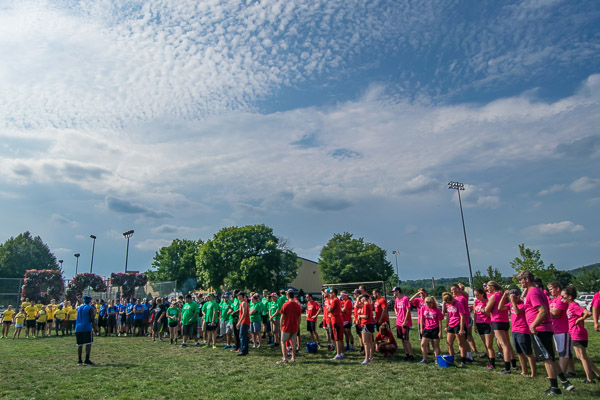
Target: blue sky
[(177, 119)]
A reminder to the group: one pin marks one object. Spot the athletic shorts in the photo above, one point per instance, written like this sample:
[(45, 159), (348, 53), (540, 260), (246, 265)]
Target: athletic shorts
[(7, 322), (84, 338), (59, 323), (454, 329), (138, 323), (311, 326), (347, 324), (146, 321), (101, 320), (285, 336), (582, 343), (210, 327), (156, 326), (267, 326), (229, 329), (369, 328), (129, 321), (431, 333), (30, 323), (41, 325), (338, 332), (112, 322), (358, 330), (402, 332), (255, 326), (522, 343), (500, 326), (18, 325), (123, 319), (173, 324), (190, 330), (264, 318), (484, 329), (49, 321), (222, 327), (546, 340), (563, 344)]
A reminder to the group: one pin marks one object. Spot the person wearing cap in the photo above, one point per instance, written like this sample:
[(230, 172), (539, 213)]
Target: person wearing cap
[(85, 324), (403, 321), (274, 317)]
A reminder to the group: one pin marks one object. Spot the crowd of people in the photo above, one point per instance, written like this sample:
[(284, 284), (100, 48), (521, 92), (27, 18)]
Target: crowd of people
[(542, 323)]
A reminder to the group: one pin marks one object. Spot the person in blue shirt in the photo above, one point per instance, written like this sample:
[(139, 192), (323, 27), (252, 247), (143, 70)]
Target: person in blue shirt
[(146, 315), (112, 315), (103, 317), (138, 317), (85, 324), (129, 313)]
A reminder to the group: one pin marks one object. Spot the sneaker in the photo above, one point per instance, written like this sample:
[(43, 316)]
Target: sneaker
[(153, 340), (553, 392), (423, 362), (198, 345), (337, 357), (214, 347), (461, 365), (586, 382), (79, 362), (505, 371), (184, 344), (241, 354), (226, 347), (570, 375), (490, 367), (88, 362), (499, 355), (568, 386), (366, 362)]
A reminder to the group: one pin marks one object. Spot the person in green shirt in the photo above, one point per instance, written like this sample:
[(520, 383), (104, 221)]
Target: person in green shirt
[(174, 318), (255, 309), (234, 314), (266, 324), (189, 320), (226, 319), (274, 317), (209, 312)]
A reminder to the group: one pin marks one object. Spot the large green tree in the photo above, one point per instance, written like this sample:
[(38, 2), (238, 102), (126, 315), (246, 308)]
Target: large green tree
[(176, 262), (18, 254), (346, 259), (531, 260), (247, 257), (588, 281), (492, 274)]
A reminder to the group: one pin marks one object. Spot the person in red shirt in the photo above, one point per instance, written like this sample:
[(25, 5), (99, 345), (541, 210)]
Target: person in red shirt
[(326, 324), (290, 322), (337, 323), (347, 318), (381, 310), (385, 343), (356, 321), (365, 317), (243, 324), (312, 312)]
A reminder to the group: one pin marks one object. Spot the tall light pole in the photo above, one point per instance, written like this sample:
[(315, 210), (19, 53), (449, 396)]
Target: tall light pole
[(127, 235), (395, 253), (60, 261), (77, 263), (93, 247), (458, 187)]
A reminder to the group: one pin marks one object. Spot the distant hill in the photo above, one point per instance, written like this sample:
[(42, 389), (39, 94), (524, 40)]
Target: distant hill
[(591, 267), (426, 283)]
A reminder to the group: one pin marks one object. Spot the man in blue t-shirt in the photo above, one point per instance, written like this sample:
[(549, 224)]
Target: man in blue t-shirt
[(85, 324), (138, 317), (129, 313)]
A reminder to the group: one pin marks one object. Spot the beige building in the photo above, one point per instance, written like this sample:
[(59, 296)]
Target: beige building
[(309, 277)]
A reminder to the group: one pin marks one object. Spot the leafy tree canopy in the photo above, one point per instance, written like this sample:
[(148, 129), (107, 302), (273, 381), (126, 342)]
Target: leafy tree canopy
[(176, 262), (249, 257), (24, 252), (345, 259), (531, 260), (492, 274), (588, 281)]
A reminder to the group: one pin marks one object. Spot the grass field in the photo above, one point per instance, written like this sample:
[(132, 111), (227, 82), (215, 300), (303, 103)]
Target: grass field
[(136, 368)]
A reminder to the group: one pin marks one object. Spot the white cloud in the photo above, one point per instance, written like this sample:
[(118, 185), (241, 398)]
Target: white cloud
[(59, 219), (555, 228), (478, 197), (584, 184), (552, 189), (152, 244)]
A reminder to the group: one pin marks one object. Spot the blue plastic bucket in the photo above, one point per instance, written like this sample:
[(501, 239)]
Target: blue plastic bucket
[(445, 361), (312, 347)]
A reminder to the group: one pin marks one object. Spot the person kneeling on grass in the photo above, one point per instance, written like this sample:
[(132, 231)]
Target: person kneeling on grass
[(85, 324), (385, 343), (576, 316)]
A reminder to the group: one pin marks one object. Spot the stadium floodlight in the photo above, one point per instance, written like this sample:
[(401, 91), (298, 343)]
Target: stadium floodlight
[(395, 253), (77, 262), (458, 187), (127, 235)]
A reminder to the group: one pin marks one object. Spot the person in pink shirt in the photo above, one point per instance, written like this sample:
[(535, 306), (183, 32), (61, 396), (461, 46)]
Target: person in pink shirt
[(431, 328), (537, 313), (483, 322), (496, 306), (456, 326), (458, 291), (558, 313), (418, 300), (596, 311), (576, 316), (403, 321), (520, 332)]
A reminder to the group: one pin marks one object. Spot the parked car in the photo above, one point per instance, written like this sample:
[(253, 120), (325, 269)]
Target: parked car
[(585, 301)]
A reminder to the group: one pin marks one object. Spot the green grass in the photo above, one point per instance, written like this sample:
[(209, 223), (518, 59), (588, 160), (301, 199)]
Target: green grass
[(136, 368)]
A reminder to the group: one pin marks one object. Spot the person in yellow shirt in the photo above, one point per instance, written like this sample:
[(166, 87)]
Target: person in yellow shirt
[(19, 320), (26, 303), (60, 319), (31, 312), (7, 318), (50, 310), (72, 316), (41, 316)]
